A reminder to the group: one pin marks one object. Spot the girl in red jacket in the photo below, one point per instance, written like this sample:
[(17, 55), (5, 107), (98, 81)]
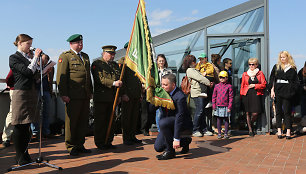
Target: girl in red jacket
[(252, 88)]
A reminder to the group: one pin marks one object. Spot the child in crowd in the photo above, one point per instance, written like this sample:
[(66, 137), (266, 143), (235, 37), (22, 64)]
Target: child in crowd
[(222, 100), (207, 70)]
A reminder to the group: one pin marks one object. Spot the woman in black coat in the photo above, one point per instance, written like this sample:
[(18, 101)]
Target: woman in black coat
[(284, 84), (24, 99)]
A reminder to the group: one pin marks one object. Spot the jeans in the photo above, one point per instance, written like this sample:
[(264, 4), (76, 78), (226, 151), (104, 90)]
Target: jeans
[(45, 116), (199, 123), (157, 118)]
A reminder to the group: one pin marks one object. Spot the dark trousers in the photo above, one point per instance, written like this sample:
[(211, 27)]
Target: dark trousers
[(129, 118), (283, 110), (147, 116), (21, 137), (102, 114), (164, 140)]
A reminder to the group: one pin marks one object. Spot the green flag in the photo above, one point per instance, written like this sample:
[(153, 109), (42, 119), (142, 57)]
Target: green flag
[(140, 58)]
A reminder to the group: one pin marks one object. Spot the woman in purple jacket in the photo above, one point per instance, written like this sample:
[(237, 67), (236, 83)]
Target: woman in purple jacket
[(222, 100)]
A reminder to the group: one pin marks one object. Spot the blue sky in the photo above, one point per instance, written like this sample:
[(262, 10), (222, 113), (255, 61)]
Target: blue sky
[(101, 22)]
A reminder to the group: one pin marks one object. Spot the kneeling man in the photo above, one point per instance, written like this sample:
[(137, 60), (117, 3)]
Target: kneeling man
[(175, 125)]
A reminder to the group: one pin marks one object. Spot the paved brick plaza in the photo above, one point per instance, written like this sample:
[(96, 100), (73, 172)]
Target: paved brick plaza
[(240, 154)]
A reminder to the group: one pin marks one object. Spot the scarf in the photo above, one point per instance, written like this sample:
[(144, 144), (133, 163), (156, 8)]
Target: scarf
[(253, 73), (287, 67)]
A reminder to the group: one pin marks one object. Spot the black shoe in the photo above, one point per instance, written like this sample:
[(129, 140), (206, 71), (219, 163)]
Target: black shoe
[(6, 143), (27, 157), (135, 140), (166, 155), (49, 136), (23, 162), (24, 159), (146, 133), (130, 142), (185, 150), (107, 146), (83, 150), (288, 137), (251, 134), (74, 152), (279, 136), (35, 138)]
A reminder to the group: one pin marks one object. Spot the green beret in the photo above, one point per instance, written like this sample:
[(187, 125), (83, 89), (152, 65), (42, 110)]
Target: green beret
[(126, 45), (202, 55), (109, 48), (74, 38)]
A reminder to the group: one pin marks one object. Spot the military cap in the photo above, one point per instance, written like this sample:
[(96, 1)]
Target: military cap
[(75, 37), (202, 55), (109, 48), (126, 45)]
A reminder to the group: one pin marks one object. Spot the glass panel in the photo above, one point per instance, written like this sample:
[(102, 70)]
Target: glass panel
[(177, 49), (239, 50), (247, 22)]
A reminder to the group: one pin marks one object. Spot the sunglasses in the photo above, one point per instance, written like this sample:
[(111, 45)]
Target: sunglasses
[(252, 64), (222, 77)]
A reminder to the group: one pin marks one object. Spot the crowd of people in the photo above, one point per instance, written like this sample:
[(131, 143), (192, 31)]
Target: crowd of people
[(79, 81)]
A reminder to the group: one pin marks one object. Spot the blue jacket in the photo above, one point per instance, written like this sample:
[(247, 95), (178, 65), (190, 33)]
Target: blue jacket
[(181, 113)]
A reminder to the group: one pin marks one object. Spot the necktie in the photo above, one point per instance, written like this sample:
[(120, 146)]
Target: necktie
[(79, 54)]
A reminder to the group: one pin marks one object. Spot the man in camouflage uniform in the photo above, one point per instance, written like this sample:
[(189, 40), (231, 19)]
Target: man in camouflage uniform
[(75, 88), (106, 74)]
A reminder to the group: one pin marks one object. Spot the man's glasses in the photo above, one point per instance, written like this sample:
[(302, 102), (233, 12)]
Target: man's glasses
[(251, 64), (222, 77)]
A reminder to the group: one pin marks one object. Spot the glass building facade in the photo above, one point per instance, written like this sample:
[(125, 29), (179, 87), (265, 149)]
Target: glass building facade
[(238, 33)]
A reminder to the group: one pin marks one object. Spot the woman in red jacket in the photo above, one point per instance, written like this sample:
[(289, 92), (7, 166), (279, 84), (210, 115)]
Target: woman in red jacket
[(252, 88)]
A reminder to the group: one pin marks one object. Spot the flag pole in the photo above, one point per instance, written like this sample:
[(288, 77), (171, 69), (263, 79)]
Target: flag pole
[(121, 77), (115, 104)]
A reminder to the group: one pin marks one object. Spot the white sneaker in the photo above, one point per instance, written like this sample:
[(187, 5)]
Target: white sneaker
[(208, 133), (209, 105), (204, 95), (197, 134)]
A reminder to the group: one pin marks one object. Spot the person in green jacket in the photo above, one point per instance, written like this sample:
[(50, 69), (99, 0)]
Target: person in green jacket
[(106, 74), (75, 88)]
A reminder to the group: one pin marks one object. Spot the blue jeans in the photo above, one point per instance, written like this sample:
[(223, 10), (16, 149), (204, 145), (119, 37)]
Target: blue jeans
[(199, 123), (45, 116), (157, 118)]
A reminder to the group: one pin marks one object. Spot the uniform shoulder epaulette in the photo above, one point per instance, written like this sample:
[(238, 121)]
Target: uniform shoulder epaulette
[(66, 52), (96, 59)]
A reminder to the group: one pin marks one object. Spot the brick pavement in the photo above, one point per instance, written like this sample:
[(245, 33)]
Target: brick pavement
[(239, 154)]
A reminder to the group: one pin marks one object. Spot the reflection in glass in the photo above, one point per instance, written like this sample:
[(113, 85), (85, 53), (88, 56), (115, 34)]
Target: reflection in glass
[(177, 49), (251, 21)]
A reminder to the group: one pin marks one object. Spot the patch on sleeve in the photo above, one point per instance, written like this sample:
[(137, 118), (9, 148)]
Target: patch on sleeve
[(94, 67), (60, 60)]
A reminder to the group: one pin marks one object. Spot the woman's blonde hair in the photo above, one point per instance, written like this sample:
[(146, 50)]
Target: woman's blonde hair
[(253, 60), (290, 60)]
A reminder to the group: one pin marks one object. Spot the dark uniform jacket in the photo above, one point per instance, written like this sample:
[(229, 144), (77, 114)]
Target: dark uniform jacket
[(73, 75), (24, 98), (104, 75), (131, 84), (24, 78), (181, 113)]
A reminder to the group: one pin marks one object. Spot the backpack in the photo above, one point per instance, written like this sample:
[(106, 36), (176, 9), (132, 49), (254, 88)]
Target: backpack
[(185, 85)]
